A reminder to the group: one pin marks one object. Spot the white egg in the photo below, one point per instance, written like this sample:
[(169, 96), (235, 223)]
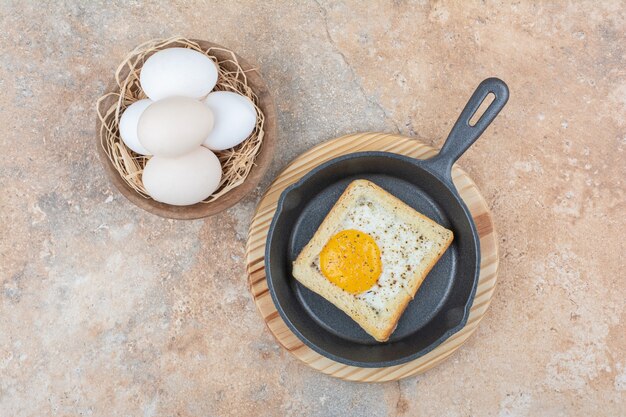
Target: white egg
[(178, 72), (235, 118), (128, 126), (185, 180), (174, 126)]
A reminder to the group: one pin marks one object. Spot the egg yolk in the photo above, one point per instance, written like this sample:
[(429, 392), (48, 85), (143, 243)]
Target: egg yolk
[(351, 260)]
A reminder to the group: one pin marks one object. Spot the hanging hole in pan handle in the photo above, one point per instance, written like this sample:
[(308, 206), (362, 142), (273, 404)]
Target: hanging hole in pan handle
[(476, 116), (481, 109)]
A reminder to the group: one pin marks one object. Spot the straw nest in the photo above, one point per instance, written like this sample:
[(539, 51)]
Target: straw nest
[(236, 162)]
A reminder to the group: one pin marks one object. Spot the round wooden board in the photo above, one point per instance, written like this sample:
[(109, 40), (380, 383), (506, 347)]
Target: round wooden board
[(255, 259)]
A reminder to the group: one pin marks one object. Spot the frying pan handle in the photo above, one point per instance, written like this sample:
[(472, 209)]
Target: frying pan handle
[(463, 135)]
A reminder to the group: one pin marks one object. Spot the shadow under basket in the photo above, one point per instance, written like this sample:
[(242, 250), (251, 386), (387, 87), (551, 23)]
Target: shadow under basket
[(261, 160)]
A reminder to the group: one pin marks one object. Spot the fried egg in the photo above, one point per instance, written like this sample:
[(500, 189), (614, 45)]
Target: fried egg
[(372, 252)]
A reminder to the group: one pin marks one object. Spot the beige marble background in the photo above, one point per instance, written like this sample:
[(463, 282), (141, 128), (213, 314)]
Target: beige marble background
[(106, 310)]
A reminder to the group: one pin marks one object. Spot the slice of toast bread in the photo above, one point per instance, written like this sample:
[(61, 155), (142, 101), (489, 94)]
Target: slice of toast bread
[(408, 240)]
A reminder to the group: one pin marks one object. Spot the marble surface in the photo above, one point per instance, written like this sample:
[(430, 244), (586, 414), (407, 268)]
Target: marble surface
[(107, 310)]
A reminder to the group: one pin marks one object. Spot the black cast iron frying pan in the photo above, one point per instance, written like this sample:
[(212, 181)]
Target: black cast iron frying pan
[(441, 305)]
